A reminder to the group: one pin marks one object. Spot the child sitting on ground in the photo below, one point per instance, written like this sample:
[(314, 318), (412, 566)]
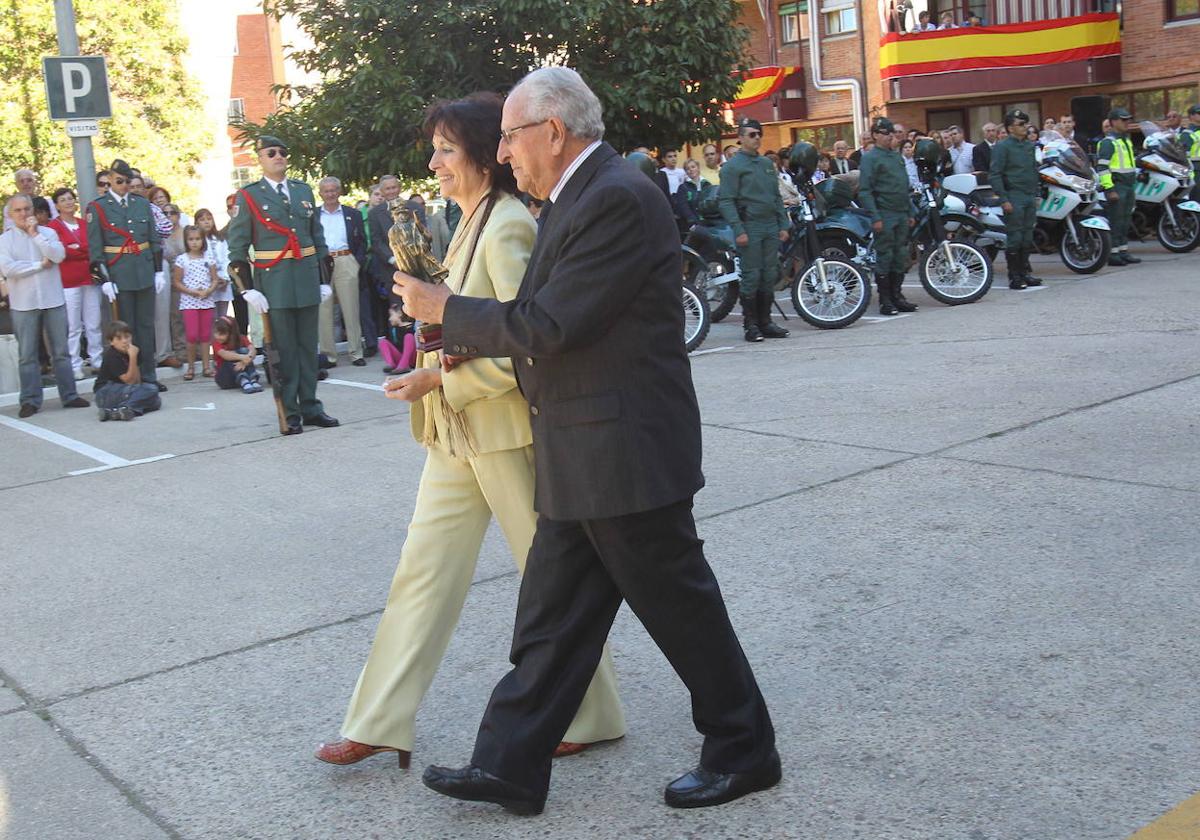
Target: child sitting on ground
[(119, 390), (233, 355)]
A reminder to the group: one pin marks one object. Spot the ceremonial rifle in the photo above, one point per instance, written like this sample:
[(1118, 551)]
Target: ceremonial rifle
[(239, 271)]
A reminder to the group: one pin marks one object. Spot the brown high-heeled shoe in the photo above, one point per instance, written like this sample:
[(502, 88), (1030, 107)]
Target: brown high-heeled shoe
[(346, 751)]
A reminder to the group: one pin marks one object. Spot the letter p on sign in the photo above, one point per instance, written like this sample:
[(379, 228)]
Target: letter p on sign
[(77, 87)]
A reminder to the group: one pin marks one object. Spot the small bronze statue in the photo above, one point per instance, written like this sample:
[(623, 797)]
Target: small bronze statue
[(409, 240)]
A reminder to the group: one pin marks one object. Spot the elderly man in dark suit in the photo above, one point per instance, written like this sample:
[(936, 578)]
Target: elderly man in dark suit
[(595, 334)]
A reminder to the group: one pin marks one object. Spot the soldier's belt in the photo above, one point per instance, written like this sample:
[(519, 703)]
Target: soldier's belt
[(132, 248), (285, 254)]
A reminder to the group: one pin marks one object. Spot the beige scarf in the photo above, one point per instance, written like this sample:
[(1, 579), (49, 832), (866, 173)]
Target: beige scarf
[(460, 442)]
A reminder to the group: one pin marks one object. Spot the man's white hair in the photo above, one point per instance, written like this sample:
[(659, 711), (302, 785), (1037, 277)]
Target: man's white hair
[(17, 198), (330, 179), (561, 92)]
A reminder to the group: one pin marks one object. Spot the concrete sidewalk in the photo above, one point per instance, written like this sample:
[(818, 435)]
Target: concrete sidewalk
[(960, 548)]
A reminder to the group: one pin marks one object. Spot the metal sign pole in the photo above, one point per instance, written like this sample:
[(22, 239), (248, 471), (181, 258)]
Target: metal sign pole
[(81, 147)]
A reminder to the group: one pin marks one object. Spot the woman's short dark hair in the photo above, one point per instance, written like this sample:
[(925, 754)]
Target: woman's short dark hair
[(60, 192), (473, 122), (41, 205)]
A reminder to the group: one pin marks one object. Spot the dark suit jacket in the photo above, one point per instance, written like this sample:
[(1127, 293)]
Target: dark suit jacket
[(855, 157), (596, 336), (981, 157), (380, 221), (356, 234), (851, 165)]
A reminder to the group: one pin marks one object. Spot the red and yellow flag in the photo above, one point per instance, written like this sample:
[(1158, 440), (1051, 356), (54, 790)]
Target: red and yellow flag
[(1002, 46), (761, 82)]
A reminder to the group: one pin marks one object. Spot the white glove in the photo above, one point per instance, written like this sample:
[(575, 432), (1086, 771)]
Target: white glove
[(256, 299), (109, 290), (326, 292), (160, 282)]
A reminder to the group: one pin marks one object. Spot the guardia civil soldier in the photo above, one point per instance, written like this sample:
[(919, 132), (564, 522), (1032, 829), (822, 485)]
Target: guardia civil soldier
[(750, 204), (277, 218), (126, 252), (883, 190), (1118, 176), (1013, 174), (1189, 139)]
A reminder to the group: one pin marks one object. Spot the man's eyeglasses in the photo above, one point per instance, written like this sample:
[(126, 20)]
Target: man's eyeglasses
[(275, 151), (103, 184), (507, 134)]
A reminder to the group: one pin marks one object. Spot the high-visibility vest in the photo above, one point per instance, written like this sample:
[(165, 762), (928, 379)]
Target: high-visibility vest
[(1122, 161)]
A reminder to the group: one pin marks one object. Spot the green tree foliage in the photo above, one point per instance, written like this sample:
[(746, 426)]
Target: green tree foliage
[(157, 123), (661, 68)]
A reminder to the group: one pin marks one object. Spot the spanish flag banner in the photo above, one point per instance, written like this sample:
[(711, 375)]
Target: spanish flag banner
[(998, 47), (761, 82)]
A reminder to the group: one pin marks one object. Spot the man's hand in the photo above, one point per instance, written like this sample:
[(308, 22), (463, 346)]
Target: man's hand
[(877, 226), (160, 282), (1112, 195), (257, 299), (424, 301), (912, 221), (1006, 207), (783, 236), (47, 262), (412, 386), (30, 225), (743, 239), (109, 290), (326, 292)]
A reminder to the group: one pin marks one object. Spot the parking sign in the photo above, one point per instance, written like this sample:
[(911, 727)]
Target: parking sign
[(77, 87)]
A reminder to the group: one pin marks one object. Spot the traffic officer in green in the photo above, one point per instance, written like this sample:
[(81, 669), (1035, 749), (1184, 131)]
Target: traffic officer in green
[(277, 218), (751, 204), (1118, 177), (1013, 174), (883, 191), (126, 253), (1189, 139)]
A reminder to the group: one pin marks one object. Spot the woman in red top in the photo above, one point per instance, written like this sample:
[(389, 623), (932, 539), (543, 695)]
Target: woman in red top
[(83, 298)]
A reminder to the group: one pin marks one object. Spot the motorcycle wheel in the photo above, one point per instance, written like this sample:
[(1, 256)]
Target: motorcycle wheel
[(1180, 238), (721, 299), (696, 318), (1089, 254), (966, 282), (843, 303)]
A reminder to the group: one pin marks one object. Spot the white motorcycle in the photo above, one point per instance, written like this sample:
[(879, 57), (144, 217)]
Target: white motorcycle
[(1164, 181), (1068, 214)]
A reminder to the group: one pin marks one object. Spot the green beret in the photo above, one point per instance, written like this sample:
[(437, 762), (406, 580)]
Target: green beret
[(268, 141)]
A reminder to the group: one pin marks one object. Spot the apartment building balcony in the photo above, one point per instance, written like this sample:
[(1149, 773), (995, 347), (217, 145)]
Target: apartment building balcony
[(1070, 51), (771, 94)]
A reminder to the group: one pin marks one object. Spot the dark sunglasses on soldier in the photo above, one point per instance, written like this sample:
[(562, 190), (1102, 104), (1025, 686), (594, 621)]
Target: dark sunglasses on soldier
[(275, 152), (103, 184), (118, 180), (754, 134)]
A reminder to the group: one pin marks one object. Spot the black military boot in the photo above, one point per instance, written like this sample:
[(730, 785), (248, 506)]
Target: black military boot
[(898, 298), (1030, 278), (1129, 258), (883, 284), (750, 318), (1016, 270), (768, 328)]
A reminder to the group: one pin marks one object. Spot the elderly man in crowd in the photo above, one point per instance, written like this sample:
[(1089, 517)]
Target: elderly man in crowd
[(981, 154), (347, 241), (26, 181), (841, 163), (29, 258)]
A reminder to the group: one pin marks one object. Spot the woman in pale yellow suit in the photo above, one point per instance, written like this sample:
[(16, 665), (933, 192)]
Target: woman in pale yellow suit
[(474, 422)]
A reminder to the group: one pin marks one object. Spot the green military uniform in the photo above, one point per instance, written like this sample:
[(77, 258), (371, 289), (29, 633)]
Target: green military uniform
[(1189, 139), (883, 191), (751, 204), (1013, 174), (122, 237), (1117, 166), (292, 285)]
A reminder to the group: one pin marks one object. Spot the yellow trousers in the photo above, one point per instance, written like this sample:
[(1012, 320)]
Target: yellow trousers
[(455, 502)]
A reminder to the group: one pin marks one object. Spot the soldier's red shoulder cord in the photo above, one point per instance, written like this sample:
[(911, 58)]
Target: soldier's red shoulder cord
[(291, 249)]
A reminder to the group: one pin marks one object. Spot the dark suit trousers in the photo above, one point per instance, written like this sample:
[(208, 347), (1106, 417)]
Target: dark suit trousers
[(575, 578), (295, 335), (137, 310)]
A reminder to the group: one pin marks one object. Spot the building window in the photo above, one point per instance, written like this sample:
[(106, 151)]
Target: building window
[(237, 111), (823, 137), (1183, 9), (241, 177), (840, 21), (1154, 104), (793, 22)]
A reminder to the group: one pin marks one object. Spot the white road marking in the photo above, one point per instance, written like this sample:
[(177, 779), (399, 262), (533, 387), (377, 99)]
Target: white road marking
[(710, 350), (366, 386), (874, 318), (107, 460), (205, 407)]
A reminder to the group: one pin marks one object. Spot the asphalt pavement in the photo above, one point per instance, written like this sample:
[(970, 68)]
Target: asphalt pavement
[(959, 546)]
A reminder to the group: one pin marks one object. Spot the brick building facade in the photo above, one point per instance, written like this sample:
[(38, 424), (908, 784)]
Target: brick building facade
[(1155, 70), (258, 65)]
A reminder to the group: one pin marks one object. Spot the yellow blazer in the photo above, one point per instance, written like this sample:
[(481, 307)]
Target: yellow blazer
[(485, 390)]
